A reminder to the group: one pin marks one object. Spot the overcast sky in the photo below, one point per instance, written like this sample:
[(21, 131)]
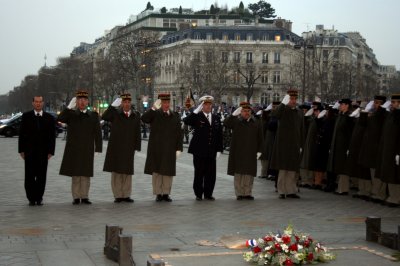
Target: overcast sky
[(32, 28)]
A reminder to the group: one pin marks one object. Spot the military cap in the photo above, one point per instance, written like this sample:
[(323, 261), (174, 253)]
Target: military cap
[(380, 98), (345, 101), (293, 92), (276, 103), (395, 96), (207, 99), (245, 105), (164, 96), (126, 96), (81, 94)]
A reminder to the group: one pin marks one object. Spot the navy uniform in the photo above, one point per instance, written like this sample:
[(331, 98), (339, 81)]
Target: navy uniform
[(207, 141)]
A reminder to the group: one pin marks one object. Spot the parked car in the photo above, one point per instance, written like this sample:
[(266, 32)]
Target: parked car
[(11, 127)]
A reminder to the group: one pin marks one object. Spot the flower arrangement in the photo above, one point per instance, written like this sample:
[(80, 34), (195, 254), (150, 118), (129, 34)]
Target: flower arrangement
[(289, 248)]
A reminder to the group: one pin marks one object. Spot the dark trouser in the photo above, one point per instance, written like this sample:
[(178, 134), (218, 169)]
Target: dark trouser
[(35, 176), (204, 176)]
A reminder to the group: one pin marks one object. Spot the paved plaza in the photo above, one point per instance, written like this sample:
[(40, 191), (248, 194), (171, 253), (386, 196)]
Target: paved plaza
[(183, 232)]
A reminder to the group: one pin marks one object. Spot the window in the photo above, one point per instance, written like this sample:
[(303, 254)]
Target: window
[(236, 77), (236, 57), (277, 77), (224, 57), (264, 77), (326, 41), (237, 36), (264, 98), (276, 97), (277, 38), (336, 42), (249, 37), (166, 23), (196, 55), (209, 36), (325, 55), (249, 57), (225, 36), (336, 54), (209, 56), (172, 23), (196, 75), (197, 36), (265, 58), (265, 37), (277, 58)]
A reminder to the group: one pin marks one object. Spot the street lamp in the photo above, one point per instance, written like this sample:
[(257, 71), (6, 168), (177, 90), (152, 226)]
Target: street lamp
[(92, 94), (305, 44), (182, 89)]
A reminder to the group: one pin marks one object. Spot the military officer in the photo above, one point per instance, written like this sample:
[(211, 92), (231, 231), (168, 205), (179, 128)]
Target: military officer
[(165, 146), (206, 147), (125, 139), (83, 140)]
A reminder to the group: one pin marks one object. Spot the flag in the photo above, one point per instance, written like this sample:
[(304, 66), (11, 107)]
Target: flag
[(190, 98)]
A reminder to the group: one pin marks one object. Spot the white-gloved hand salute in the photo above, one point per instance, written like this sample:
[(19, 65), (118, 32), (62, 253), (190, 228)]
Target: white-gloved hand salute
[(387, 105), (269, 107), (156, 105), (397, 159), (258, 155), (199, 108), (356, 113), (178, 153), (369, 107), (259, 112), (336, 105), (72, 104), (117, 102), (218, 154), (286, 99), (322, 114), (237, 111), (309, 112)]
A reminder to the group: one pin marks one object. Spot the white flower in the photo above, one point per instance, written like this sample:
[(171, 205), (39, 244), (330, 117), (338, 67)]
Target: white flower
[(285, 247)]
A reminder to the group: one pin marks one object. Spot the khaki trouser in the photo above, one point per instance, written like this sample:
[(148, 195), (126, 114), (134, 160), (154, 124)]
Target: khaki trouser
[(307, 177), (343, 184), (243, 184), (364, 187), (287, 182), (162, 184), (394, 193), (264, 167), (80, 187), (121, 185), (378, 190)]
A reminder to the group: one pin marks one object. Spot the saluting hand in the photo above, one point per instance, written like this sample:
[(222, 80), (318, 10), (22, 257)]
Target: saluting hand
[(22, 155)]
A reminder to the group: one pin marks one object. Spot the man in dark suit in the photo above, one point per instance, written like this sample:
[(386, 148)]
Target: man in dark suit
[(206, 146), (36, 146)]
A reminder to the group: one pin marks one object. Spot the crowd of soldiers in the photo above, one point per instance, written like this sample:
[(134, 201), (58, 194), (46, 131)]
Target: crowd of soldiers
[(329, 147)]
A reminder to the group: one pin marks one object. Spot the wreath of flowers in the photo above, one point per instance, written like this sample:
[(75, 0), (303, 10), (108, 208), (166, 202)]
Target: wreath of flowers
[(289, 248)]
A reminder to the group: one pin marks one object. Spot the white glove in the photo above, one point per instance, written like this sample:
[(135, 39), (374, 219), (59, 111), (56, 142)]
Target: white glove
[(309, 112), (286, 99), (258, 155), (387, 105), (199, 108), (397, 159), (347, 152), (369, 107), (259, 112), (183, 116), (336, 105), (178, 153), (72, 103), (117, 102), (356, 113), (182, 125), (237, 111), (269, 107), (218, 154), (301, 150), (156, 105), (322, 114), (222, 117), (97, 153)]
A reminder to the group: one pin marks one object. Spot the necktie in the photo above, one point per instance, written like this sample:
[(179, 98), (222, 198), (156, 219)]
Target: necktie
[(127, 114), (208, 118)]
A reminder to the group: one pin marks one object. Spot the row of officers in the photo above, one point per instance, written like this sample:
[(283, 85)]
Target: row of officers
[(319, 144)]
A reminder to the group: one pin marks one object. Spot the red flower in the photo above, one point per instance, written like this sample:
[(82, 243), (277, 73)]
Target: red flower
[(268, 238), (286, 239), (307, 243), (297, 238), (293, 247), (277, 247), (256, 250), (288, 262), (310, 257)]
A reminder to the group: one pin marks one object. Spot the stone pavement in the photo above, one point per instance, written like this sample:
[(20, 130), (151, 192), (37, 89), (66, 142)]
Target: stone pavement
[(184, 232)]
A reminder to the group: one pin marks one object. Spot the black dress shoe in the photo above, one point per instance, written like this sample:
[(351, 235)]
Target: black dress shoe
[(391, 204), (199, 199), (211, 198), (159, 198), (239, 197), (76, 201), (282, 196), (341, 193), (249, 197), (118, 200), (32, 203), (356, 196), (293, 196), (167, 198), (128, 199), (86, 201), (39, 203)]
